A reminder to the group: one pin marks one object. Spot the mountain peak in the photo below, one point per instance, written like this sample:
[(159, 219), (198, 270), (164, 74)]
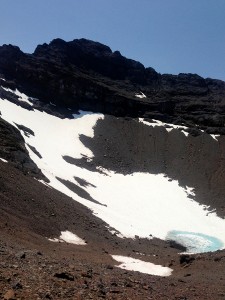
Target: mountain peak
[(77, 45), (88, 75)]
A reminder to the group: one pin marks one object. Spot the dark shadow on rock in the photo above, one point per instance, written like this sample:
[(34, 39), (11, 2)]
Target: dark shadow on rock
[(84, 162), (10, 96), (59, 112), (12, 148), (126, 146), (174, 244)]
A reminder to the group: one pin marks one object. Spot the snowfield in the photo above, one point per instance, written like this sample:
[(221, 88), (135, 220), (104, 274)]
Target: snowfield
[(140, 95), (69, 237), (162, 209), (4, 160), (132, 264), (170, 127), (22, 97)]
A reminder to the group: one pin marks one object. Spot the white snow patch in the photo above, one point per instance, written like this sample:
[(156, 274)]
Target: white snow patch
[(190, 191), (114, 232), (69, 237), (82, 113), (172, 126), (3, 79), (139, 204), (140, 95), (132, 264), (43, 182), (54, 137), (215, 136), (160, 123), (22, 97), (4, 160)]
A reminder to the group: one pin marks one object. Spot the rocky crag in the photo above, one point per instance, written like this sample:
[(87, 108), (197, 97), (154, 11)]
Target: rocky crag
[(87, 75)]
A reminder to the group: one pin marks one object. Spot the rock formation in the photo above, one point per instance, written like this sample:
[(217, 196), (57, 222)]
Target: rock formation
[(87, 75)]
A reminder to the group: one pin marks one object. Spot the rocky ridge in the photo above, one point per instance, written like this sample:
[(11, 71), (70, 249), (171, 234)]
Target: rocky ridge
[(87, 75)]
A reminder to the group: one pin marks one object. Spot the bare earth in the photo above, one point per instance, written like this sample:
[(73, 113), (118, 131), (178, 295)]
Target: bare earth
[(34, 268)]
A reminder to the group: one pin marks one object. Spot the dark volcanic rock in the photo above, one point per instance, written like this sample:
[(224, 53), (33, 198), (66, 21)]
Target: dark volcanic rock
[(92, 56), (126, 146), (87, 75), (186, 259), (12, 148), (64, 275)]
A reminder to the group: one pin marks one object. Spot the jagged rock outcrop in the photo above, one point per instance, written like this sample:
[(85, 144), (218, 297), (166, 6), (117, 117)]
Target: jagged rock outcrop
[(12, 148), (87, 75)]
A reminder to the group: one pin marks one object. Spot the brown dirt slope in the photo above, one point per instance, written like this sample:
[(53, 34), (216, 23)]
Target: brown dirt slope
[(34, 268)]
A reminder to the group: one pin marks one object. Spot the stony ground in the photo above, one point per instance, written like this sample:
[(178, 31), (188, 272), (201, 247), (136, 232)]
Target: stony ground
[(32, 267)]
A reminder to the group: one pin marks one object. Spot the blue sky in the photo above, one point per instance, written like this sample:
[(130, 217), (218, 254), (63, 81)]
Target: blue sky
[(172, 36)]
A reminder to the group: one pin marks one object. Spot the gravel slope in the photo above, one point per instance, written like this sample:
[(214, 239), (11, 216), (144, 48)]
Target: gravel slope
[(34, 268)]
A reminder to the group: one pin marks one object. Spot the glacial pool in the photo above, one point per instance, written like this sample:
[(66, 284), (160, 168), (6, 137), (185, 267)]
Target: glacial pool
[(195, 242)]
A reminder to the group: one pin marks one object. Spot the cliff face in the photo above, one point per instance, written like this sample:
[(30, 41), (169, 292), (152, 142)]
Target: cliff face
[(87, 75)]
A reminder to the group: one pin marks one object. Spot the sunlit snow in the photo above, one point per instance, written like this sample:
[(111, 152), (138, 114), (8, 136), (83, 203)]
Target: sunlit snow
[(4, 160), (132, 264), (157, 123), (137, 204), (215, 136), (22, 97), (169, 127), (69, 237), (140, 95)]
